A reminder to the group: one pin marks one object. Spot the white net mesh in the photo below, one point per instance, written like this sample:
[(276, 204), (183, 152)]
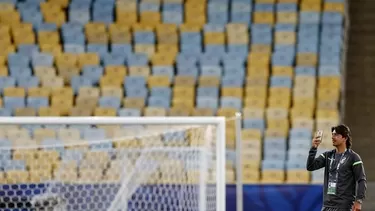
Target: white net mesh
[(108, 167)]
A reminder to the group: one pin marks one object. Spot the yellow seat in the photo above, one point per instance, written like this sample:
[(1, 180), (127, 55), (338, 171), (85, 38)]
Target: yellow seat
[(25, 112), (226, 112), (151, 111), (7, 50), (203, 112), (12, 17), (282, 71), (258, 70), (183, 92), (328, 94), (297, 177), (250, 176), (17, 176), (305, 81), (186, 81), (134, 102), (303, 123), (183, 102), (116, 71), (14, 134), (307, 59), (178, 112), (111, 80), (277, 113), (167, 48), (285, 38), (67, 60), (55, 50), (190, 27), (301, 112), (121, 37), (90, 175), (42, 72), (112, 91), (88, 103), (44, 133), (240, 38), (259, 58), (273, 176), (47, 111), (214, 38), (250, 134), (88, 59), (93, 27), (92, 92), (279, 102), (168, 39), (143, 27), (255, 102), (276, 133), (279, 92), (256, 113), (264, 18), (334, 7), (232, 92), (158, 81), (56, 17), (147, 49), (126, 17), (327, 104), (66, 92), (150, 17), (115, 28), (208, 81), (329, 82), (327, 113), (256, 92), (308, 92), (105, 112), (40, 175), (286, 17), (48, 37), (14, 92), (278, 124), (3, 71), (63, 103), (139, 71), (81, 110), (312, 6), (162, 59), (66, 134)]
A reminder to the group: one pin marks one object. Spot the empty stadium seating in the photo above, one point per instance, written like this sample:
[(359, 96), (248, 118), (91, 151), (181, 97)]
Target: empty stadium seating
[(276, 61)]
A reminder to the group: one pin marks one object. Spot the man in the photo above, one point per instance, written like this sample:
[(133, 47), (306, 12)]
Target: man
[(343, 171)]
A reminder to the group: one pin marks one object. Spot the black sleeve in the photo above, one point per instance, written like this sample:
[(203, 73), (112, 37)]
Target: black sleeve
[(359, 176), (315, 163)]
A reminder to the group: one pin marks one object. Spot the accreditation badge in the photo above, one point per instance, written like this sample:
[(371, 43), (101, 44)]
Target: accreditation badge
[(331, 190)]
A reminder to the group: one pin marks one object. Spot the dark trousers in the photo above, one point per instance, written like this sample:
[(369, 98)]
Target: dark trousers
[(334, 209)]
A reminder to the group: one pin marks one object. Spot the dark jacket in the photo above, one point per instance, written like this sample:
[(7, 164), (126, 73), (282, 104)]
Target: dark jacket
[(351, 172)]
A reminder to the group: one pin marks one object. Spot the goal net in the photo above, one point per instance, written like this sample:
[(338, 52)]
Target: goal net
[(113, 164)]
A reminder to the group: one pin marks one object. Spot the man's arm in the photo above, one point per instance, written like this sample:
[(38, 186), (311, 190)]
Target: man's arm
[(360, 177), (315, 163)]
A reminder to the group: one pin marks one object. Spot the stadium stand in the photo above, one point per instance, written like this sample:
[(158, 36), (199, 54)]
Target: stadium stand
[(278, 62)]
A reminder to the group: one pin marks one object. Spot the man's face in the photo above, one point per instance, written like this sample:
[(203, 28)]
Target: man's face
[(337, 139)]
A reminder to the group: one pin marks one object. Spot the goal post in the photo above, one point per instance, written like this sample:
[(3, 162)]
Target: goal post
[(142, 163)]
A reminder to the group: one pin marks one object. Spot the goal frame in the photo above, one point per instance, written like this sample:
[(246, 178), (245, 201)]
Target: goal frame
[(219, 122)]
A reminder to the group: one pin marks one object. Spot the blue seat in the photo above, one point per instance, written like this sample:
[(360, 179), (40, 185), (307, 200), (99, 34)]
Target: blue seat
[(296, 164), (173, 137), (19, 60), (185, 59), (28, 49), (76, 38), (193, 48), (42, 59), (5, 154), (81, 16), (285, 27), (20, 72), (129, 112), (240, 7), (302, 143), (241, 17), (231, 102), (8, 165), (137, 59), (207, 102), (281, 81), (5, 143), (148, 6), (113, 59), (307, 47), (234, 59), (232, 80), (164, 92), (74, 48), (109, 102), (28, 82), (6, 82), (5, 112), (238, 49), (254, 124), (98, 146), (275, 144), (300, 133), (93, 72), (329, 70), (207, 59), (157, 101), (309, 71), (100, 49), (286, 7), (172, 7), (264, 7), (330, 60), (211, 71), (94, 134), (144, 37), (136, 92), (213, 28), (163, 70), (183, 70), (53, 144), (37, 102), (309, 17), (124, 49), (135, 82), (332, 17), (72, 26), (280, 58), (14, 102), (172, 17), (332, 29), (297, 154), (72, 155), (262, 38), (77, 82), (273, 164), (274, 154), (218, 50), (46, 27), (212, 92)]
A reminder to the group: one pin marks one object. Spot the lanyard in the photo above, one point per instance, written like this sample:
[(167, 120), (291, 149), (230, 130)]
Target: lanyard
[(338, 165)]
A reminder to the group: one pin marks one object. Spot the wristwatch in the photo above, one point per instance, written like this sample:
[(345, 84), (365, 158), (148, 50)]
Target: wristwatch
[(359, 201)]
